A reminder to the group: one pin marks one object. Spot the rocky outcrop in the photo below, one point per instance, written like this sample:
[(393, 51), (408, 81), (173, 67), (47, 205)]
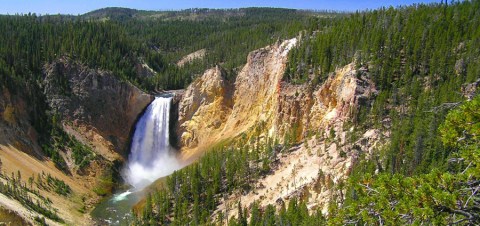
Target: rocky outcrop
[(302, 109), (209, 114), (344, 91), (143, 69), (470, 90), (199, 54), (213, 109), (293, 110), (15, 123), (257, 89), (95, 103), (204, 107), (263, 105), (94, 106)]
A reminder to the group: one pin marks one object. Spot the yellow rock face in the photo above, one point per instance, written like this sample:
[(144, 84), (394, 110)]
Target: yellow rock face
[(259, 104), (212, 109), (203, 108)]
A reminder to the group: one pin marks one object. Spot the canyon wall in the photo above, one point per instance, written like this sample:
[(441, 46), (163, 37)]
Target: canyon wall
[(212, 109), (94, 104), (318, 121), (95, 107)]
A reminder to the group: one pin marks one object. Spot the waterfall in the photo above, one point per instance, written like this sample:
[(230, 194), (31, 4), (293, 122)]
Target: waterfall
[(151, 156)]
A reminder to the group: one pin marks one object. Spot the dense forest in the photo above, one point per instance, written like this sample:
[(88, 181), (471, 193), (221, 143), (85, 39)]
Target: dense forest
[(119, 43), (113, 39), (419, 57)]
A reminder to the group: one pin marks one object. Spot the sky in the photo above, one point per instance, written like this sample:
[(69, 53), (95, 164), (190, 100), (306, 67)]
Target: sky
[(76, 7)]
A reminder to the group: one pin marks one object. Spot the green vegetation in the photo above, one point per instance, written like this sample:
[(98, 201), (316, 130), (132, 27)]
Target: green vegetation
[(442, 196), (28, 197), (120, 44), (59, 141), (106, 182), (120, 40), (59, 186), (40, 221), (295, 214), (418, 57), (439, 197), (226, 35), (193, 193), (48, 182)]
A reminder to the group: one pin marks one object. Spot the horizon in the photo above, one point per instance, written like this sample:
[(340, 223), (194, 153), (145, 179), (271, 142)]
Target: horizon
[(77, 7)]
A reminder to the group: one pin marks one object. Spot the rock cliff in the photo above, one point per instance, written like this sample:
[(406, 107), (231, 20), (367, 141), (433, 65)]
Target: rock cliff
[(15, 123), (95, 107), (95, 103), (315, 120), (204, 108), (212, 109)]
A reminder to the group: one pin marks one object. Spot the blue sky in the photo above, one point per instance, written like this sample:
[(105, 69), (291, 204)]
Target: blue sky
[(82, 6)]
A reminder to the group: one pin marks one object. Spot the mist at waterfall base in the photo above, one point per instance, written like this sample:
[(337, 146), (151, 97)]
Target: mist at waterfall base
[(151, 157)]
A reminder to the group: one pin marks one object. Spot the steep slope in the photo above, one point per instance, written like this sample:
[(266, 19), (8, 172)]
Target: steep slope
[(318, 117), (93, 114), (368, 142), (204, 108), (257, 88), (254, 99), (97, 105), (266, 107), (20, 154), (260, 97), (15, 123), (199, 54)]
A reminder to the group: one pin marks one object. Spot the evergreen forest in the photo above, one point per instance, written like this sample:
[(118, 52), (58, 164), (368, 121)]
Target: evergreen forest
[(420, 58)]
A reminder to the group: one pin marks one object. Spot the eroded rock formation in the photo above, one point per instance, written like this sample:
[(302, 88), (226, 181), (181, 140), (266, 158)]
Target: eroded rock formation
[(204, 107), (312, 117), (95, 103), (209, 113)]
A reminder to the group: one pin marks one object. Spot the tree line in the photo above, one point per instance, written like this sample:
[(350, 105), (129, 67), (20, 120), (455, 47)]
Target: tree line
[(120, 45), (419, 57)]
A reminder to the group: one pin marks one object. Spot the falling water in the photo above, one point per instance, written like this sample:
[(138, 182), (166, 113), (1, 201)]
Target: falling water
[(151, 156)]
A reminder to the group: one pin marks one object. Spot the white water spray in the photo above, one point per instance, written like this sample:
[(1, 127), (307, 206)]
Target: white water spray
[(151, 156)]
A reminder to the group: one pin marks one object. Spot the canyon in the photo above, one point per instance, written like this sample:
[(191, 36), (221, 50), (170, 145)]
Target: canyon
[(95, 108), (260, 116), (260, 104), (100, 111)]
